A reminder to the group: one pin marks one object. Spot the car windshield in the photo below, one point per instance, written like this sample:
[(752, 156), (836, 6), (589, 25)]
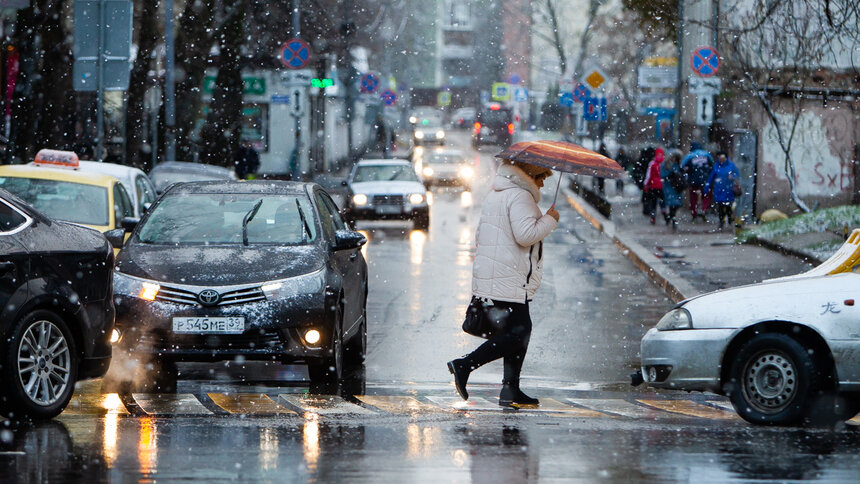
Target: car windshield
[(62, 200), (443, 158), (384, 173), (162, 180), (209, 218)]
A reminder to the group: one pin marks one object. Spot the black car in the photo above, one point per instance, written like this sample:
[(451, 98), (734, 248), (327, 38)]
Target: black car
[(57, 310), (494, 124), (167, 173), (265, 270)]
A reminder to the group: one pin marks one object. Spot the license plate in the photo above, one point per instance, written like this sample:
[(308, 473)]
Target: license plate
[(216, 325), (388, 209)]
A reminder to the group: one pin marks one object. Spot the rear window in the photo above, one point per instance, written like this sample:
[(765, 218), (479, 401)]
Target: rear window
[(209, 218), (373, 173), (496, 117), (162, 180), (62, 200)]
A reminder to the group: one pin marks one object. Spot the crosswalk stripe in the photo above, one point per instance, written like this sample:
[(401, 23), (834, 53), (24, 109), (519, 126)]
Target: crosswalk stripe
[(549, 405), (170, 404), (616, 406), (95, 404), (690, 408), (325, 405), (400, 405), (473, 403), (724, 404), (248, 404)]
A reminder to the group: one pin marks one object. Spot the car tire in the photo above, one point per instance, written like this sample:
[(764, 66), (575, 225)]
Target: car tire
[(356, 349), (421, 221), (53, 373), (772, 380), (330, 368)]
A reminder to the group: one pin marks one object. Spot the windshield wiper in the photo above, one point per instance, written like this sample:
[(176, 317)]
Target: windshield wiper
[(396, 174), (248, 217), (306, 230)]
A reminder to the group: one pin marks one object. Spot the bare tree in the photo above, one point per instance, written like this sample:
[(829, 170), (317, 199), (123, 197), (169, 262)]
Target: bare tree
[(148, 35)]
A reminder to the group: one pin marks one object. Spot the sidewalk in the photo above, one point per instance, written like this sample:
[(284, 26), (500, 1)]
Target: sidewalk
[(695, 259)]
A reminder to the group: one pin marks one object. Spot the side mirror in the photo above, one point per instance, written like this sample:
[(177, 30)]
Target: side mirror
[(348, 239), (115, 237), (129, 223)]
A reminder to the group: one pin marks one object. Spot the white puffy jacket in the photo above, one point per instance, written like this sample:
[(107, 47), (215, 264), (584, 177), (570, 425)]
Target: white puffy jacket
[(509, 238)]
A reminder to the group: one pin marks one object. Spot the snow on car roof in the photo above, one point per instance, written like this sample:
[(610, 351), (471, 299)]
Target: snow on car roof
[(384, 161)]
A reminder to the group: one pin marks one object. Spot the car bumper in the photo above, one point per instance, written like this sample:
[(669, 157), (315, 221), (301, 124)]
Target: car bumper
[(274, 330), (685, 359), (374, 213), (97, 321)]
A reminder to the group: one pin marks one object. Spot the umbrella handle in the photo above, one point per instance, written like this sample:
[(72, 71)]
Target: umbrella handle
[(555, 197)]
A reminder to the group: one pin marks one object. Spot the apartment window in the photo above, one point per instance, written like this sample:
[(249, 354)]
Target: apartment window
[(458, 14)]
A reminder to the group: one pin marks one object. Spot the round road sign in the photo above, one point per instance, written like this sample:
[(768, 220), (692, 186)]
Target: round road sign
[(295, 53), (705, 61), (580, 93), (388, 97), (369, 82)]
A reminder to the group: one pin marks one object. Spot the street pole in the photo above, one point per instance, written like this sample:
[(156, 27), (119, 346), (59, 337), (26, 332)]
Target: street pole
[(297, 33), (680, 84), (347, 33), (169, 92), (101, 84)]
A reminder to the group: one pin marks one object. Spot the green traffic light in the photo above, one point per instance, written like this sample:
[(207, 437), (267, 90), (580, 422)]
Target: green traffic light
[(322, 83)]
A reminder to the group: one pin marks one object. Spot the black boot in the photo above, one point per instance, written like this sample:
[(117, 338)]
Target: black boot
[(460, 368), (511, 395)]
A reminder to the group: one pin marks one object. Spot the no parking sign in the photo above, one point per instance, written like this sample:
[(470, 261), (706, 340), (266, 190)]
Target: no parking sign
[(295, 53), (705, 61)]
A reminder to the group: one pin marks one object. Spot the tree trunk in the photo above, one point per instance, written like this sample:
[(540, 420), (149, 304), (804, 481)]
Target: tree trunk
[(56, 111), (193, 42), (148, 34), (220, 135)]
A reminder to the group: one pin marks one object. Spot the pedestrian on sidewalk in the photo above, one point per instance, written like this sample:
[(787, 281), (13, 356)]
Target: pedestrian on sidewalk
[(599, 183), (653, 187), (507, 272), (722, 181), (697, 165), (626, 162), (640, 170), (674, 184)]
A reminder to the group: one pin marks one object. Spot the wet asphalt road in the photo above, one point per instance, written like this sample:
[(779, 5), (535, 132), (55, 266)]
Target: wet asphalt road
[(400, 420)]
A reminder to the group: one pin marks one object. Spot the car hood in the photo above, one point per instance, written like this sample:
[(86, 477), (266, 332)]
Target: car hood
[(218, 265), (789, 299), (388, 187)]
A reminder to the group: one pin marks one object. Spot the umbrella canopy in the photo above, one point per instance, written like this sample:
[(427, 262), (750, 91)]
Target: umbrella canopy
[(563, 156)]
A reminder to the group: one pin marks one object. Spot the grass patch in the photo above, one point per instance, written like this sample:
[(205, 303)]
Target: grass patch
[(832, 219)]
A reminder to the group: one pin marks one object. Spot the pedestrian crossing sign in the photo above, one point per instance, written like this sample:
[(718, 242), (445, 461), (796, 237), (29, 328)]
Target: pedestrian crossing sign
[(501, 91)]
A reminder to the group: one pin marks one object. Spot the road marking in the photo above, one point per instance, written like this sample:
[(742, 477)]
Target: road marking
[(690, 408), (326, 405), (249, 404), (95, 404), (616, 406), (558, 409), (473, 403), (723, 404), (400, 405), (170, 404)]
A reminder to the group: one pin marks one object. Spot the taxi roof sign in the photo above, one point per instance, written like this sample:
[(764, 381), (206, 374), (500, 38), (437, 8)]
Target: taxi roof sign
[(65, 159)]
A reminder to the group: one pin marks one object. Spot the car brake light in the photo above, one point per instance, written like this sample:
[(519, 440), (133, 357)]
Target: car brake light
[(495, 107), (511, 128), (477, 128)]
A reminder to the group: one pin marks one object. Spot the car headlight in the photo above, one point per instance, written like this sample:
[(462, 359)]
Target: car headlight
[(359, 199), (413, 119), (416, 198), (675, 319), (311, 283), (419, 134), (428, 171), (125, 285), (440, 134), (467, 172)]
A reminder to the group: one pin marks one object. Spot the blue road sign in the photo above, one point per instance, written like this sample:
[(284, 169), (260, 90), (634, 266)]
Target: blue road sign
[(295, 53), (514, 79), (705, 61), (521, 95), (566, 99), (388, 97), (369, 83), (581, 93), (594, 109)]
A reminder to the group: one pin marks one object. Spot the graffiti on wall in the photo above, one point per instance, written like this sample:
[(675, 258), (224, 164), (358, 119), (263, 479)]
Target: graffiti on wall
[(822, 169)]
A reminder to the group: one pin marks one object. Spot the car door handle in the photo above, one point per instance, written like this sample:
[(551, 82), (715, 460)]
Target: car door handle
[(353, 256), (6, 266)]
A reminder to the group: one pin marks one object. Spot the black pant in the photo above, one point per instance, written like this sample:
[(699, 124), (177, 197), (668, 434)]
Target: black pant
[(511, 343), (724, 210)]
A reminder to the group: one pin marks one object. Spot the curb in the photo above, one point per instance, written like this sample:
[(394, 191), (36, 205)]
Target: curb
[(674, 285), (767, 244)]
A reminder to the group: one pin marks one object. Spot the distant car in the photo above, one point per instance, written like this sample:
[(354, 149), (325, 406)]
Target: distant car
[(58, 310), (387, 189), (783, 350), (463, 118), (494, 124), (56, 186), (167, 173), (447, 167), (136, 182), (428, 131), (258, 269)]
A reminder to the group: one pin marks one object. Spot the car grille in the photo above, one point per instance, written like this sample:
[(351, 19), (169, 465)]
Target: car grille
[(393, 200), (238, 296), (253, 339)]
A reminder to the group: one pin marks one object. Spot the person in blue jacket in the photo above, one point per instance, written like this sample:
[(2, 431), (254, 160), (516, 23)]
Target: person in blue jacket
[(674, 184), (722, 181), (697, 165)]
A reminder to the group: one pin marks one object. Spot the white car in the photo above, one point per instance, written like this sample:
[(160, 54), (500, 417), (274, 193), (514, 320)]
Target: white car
[(785, 351), (136, 182), (447, 167), (387, 189)]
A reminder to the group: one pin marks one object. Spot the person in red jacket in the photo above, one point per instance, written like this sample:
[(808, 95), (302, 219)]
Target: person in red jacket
[(653, 186)]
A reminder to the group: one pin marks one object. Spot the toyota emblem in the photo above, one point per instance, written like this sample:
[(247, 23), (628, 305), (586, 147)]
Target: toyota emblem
[(209, 297)]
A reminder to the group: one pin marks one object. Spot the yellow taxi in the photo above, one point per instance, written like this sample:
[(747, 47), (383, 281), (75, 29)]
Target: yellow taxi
[(55, 186)]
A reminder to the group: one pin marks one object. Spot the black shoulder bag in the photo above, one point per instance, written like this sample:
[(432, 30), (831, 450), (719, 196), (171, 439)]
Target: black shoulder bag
[(480, 320)]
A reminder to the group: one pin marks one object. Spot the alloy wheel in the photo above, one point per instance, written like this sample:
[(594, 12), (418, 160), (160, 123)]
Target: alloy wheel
[(44, 363)]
